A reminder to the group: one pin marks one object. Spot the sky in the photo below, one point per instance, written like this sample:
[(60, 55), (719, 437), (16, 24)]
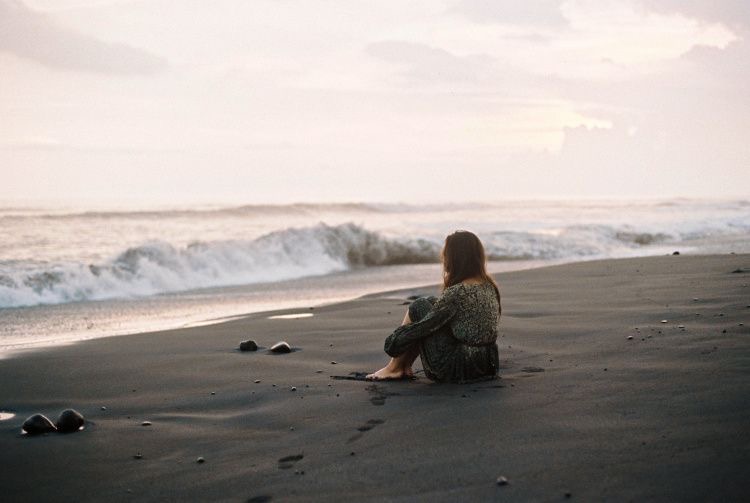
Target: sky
[(277, 101)]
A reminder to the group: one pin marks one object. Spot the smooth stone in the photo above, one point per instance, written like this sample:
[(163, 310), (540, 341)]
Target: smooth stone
[(200, 460), (146, 423), (104, 408), (249, 345), (70, 420), (256, 381), (138, 456), (281, 347), (502, 481), (664, 321), (680, 326), (630, 337), (38, 424), (675, 253)]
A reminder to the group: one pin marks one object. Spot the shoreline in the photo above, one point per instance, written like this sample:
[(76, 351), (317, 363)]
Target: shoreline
[(173, 318), (597, 398)]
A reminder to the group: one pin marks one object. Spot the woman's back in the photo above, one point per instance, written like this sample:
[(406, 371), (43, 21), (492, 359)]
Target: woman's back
[(477, 313)]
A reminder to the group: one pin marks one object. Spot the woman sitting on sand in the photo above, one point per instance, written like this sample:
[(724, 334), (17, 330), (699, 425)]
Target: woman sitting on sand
[(455, 334)]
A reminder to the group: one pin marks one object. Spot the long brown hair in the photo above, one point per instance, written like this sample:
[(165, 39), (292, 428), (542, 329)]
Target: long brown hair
[(464, 258)]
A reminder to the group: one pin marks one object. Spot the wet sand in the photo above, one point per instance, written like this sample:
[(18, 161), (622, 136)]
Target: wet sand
[(581, 408)]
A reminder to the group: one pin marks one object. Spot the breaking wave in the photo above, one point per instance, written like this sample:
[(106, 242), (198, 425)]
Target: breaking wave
[(158, 267)]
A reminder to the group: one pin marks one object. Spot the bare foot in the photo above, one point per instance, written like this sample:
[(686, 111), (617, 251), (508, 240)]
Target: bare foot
[(389, 373)]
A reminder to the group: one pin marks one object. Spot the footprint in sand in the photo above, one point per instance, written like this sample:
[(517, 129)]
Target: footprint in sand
[(288, 461), (378, 394), (263, 498), (532, 369), (372, 423)]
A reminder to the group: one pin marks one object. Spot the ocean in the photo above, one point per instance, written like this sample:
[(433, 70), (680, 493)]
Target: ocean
[(72, 273)]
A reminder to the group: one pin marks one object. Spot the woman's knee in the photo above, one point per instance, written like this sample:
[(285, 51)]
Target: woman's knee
[(420, 307)]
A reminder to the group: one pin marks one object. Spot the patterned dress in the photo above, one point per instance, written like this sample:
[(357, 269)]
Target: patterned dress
[(455, 333)]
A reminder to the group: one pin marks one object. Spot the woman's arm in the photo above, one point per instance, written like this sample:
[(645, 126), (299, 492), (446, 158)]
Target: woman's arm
[(406, 335)]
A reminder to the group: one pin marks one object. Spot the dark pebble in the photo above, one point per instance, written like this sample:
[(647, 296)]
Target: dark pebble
[(249, 345), (568, 495), (146, 423), (70, 420), (333, 363), (281, 347), (256, 381), (675, 253), (138, 456), (200, 460), (502, 481), (38, 424)]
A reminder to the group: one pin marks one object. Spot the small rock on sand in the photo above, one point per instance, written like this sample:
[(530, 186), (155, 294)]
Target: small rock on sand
[(680, 326), (502, 481), (146, 423), (70, 420), (104, 408), (294, 388), (630, 337), (281, 347), (333, 363), (201, 459), (256, 381), (38, 424), (675, 253), (248, 345), (665, 321)]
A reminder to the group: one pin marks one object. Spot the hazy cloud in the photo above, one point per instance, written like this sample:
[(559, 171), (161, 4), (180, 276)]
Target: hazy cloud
[(512, 12), (732, 13), (424, 62), (33, 35)]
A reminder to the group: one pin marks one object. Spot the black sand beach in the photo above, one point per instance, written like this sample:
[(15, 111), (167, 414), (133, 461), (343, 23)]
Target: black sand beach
[(581, 411)]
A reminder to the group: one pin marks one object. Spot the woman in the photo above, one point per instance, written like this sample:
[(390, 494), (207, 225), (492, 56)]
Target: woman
[(454, 335)]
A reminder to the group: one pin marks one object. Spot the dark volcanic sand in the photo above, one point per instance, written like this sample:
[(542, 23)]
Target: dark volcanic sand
[(580, 408)]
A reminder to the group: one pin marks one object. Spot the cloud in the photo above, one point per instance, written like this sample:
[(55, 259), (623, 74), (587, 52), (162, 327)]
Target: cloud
[(732, 13), (36, 36), (423, 62), (513, 12)]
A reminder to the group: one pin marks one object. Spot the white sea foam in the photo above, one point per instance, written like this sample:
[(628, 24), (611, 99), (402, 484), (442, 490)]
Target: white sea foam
[(53, 257)]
